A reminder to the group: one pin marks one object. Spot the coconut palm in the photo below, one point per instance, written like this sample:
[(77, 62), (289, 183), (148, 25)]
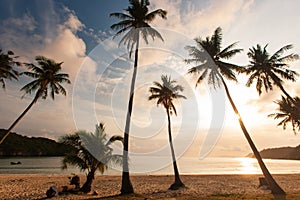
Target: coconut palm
[(269, 70), (134, 24), (7, 62), (216, 69), (165, 94), (46, 78), (83, 144), (289, 113)]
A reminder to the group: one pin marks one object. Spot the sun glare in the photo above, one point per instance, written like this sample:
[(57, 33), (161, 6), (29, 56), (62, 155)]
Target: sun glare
[(247, 166)]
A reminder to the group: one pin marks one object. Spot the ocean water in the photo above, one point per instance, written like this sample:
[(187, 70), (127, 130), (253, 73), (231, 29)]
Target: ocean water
[(156, 166), (34, 165)]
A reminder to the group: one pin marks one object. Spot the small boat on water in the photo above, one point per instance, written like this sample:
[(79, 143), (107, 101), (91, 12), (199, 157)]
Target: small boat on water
[(16, 163)]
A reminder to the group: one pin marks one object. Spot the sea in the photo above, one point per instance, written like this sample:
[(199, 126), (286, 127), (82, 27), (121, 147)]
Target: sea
[(155, 166)]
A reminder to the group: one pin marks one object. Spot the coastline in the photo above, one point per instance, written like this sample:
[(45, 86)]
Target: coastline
[(34, 186)]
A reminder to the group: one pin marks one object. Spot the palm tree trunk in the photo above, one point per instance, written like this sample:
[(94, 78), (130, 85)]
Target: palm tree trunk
[(287, 94), (127, 187), (20, 117), (178, 183), (87, 186), (275, 188)]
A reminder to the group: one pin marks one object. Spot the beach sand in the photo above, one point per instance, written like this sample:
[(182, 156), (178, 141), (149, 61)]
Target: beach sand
[(151, 187)]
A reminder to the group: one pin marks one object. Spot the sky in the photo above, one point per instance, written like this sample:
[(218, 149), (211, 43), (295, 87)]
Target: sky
[(78, 34)]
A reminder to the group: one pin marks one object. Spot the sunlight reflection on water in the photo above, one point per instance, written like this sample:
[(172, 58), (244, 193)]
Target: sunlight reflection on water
[(247, 166)]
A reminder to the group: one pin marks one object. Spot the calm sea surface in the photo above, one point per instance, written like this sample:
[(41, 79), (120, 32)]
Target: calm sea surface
[(158, 165)]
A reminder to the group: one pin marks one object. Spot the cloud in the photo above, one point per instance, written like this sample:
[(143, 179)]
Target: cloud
[(62, 45), (192, 18), (14, 34), (26, 23)]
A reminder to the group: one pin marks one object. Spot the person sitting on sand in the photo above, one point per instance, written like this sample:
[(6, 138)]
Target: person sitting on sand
[(56, 190)]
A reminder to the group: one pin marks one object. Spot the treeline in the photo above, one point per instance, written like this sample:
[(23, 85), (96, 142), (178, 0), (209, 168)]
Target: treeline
[(284, 153), (289, 153), (18, 145)]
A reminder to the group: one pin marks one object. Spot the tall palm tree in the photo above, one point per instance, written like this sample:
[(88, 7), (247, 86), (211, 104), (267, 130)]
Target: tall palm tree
[(289, 113), (7, 62), (165, 94), (134, 24), (46, 77), (268, 70), (216, 70), (83, 142)]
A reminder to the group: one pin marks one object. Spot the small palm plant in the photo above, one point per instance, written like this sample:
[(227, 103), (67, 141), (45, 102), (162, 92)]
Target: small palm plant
[(165, 94), (83, 144), (7, 62), (289, 113), (47, 78)]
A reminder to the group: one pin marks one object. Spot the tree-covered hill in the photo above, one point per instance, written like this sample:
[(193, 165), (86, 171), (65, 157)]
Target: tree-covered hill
[(290, 153), (18, 145), (287, 153)]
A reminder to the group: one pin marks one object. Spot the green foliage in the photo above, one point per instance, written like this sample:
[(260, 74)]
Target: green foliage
[(268, 70), (290, 153), (210, 63), (135, 22), (46, 78), (166, 93), (18, 145), (289, 112), (7, 63), (92, 151)]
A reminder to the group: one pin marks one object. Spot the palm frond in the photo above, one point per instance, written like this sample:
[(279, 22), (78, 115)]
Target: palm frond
[(268, 69), (229, 54), (135, 22), (114, 139), (289, 58), (122, 25), (289, 113), (166, 92), (149, 31), (278, 53), (92, 149), (7, 64), (159, 12), (122, 16), (216, 40), (211, 61)]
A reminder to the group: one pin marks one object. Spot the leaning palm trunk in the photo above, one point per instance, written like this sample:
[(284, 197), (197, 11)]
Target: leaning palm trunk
[(20, 117), (275, 188), (178, 183), (126, 187)]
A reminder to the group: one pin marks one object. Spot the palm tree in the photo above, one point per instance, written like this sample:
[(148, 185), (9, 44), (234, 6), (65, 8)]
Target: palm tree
[(134, 24), (216, 70), (7, 61), (47, 77), (83, 144), (165, 94), (289, 113), (269, 70)]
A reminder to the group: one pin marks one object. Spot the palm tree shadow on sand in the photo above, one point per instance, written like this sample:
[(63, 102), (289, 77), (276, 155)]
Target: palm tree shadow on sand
[(279, 197)]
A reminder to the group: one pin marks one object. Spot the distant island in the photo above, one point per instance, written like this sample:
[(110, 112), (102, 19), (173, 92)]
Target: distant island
[(286, 153), (18, 145)]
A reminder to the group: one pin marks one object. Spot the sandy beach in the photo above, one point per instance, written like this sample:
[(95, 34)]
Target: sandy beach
[(151, 187)]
